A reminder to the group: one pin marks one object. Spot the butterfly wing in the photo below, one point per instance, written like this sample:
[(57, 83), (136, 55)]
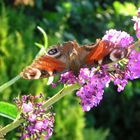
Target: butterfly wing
[(102, 49), (56, 60), (44, 66), (49, 64), (105, 52)]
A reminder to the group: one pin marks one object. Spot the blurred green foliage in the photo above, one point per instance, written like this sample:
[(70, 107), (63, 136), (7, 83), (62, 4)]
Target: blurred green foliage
[(117, 117)]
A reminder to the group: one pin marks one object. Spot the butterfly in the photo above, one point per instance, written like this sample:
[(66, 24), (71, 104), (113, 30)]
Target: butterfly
[(71, 56)]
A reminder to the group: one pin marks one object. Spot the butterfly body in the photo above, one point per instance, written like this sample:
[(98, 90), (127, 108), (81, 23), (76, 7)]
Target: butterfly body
[(71, 56)]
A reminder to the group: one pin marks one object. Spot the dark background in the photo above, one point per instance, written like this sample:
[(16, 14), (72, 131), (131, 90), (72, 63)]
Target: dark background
[(118, 115)]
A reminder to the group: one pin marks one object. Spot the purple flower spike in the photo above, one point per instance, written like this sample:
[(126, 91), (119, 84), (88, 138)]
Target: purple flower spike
[(120, 38), (91, 92), (38, 123)]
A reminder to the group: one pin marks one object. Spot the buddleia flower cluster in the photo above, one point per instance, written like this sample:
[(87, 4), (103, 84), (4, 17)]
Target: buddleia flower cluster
[(93, 81), (38, 122)]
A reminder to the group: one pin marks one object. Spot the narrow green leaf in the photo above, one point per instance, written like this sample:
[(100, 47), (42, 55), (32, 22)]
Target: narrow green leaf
[(8, 110), (39, 45), (45, 37)]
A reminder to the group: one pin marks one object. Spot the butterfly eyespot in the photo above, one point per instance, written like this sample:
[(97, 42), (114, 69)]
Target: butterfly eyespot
[(118, 53), (54, 52)]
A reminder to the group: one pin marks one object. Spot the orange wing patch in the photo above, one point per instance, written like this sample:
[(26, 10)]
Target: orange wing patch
[(49, 64), (99, 52)]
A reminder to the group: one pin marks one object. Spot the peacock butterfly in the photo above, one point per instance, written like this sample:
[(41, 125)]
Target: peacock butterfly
[(71, 56)]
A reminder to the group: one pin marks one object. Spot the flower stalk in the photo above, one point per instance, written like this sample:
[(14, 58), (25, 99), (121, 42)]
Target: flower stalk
[(67, 89), (11, 126), (9, 83)]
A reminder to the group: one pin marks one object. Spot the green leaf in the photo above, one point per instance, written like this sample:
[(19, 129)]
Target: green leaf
[(8, 110), (39, 45)]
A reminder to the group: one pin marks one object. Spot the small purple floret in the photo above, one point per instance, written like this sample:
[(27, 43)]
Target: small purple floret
[(68, 77), (27, 107)]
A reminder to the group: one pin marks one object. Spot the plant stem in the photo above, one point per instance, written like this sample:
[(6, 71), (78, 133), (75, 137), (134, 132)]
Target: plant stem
[(67, 89), (60, 94), (9, 83), (11, 126)]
